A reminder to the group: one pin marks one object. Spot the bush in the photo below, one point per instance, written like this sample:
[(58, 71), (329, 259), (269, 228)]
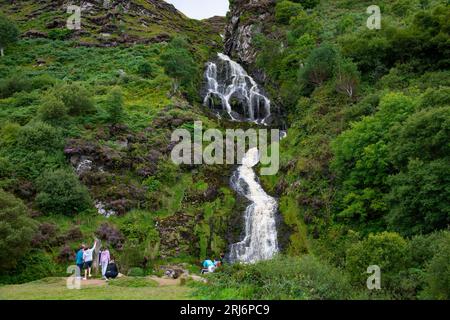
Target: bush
[(9, 32), (387, 250), (281, 278), (285, 10), (114, 106), (136, 272), (146, 69), (111, 235), (16, 229), (319, 66), (13, 84), (61, 192), (39, 136), (52, 110), (437, 275), (33, 266), (76, 98)]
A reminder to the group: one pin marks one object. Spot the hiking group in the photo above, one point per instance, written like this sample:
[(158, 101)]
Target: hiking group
[(85, 258)]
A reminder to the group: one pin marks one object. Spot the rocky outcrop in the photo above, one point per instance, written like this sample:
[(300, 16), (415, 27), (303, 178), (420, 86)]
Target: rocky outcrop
[(246, 19)]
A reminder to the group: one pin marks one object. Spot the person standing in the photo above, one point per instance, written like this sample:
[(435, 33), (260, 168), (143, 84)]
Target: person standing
[(104, 261), (88, 257), (79, 261)]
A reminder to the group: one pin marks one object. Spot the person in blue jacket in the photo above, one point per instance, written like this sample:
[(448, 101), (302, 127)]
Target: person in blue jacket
[(79, 261), (208, 266)]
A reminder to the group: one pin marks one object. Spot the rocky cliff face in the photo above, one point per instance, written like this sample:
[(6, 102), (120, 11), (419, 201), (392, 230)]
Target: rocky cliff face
[(246, 19)]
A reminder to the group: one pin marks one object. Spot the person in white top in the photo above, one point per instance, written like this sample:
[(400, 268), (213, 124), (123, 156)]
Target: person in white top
[(87, 257)]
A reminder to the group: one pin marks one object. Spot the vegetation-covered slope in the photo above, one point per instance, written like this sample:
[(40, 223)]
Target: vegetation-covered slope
[(364, 176), (86, 119)]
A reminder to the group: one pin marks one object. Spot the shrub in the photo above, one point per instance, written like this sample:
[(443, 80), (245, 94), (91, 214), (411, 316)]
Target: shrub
[(437, 275), (52, 109), (45, 237), (9, 32), (38, 136), (419, 198), (319, 66), (179, 64), (146, 69), (285, 10), (61, 192), (13, 84), (114, 106), (76, 98), (16, 229), (33, 266), (387, 250), (111, 235), (346, 78), (136, 272), (281, 278)]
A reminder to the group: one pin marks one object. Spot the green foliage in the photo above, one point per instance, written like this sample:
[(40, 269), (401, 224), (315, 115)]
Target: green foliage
[(60, 192), (419, 197), (437, 275), (39, 136), (133, 282), (146, 69), (33, 266), (285, 10), (347, 78), (16, 228), (386, 250), (319, 65), (53, 110), (114, 106), (282, 278), (179, 64), (136, 272), (9, 32), (76, 98)]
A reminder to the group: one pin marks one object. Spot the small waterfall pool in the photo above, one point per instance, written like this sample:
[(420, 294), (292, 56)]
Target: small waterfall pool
[(232, 90)]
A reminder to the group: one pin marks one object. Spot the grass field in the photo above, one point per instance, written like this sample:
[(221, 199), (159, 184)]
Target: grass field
[(56, 289)]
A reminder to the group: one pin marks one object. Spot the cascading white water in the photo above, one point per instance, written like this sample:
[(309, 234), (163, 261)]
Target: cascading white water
[(233, 82), (260, 241), (227, 80)]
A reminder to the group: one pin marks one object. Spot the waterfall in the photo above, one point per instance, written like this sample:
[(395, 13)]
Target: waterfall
[(260, 241), (229, 88), (235, 91)]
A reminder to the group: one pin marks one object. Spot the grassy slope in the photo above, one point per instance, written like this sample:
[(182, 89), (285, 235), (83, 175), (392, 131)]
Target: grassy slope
[(100, 69), (55, 289)]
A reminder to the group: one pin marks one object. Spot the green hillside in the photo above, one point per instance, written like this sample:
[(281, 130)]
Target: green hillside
[(364, 170)]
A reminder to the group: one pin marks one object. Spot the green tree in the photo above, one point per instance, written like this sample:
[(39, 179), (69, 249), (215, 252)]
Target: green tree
[(61, 192), (346, 78), (387, 250), (285, 10), (437, 274), (8, 33), (319, 66), (179, 64), (114, 106), (16, 230)]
